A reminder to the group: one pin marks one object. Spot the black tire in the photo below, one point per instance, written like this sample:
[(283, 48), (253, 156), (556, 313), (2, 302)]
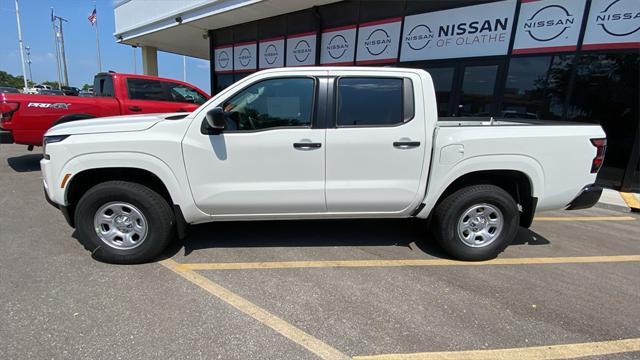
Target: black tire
[(449, 212), (155, 209)]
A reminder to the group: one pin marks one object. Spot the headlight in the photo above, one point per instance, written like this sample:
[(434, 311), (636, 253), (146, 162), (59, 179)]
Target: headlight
[(51, 140)]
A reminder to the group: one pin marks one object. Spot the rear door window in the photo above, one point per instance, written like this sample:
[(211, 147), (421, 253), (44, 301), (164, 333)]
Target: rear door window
[(368, 101), (145, 89), (103, 86)]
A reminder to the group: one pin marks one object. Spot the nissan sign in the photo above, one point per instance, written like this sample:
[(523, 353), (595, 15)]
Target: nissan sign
[(223, 61), (338, 45), (245, 56), (479, 30), (301, 49), (548, 25), (613, 24), (378, 41), (271, 53)]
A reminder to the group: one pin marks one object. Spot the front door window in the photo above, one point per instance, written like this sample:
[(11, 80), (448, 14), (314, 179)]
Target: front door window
[(271, 103)]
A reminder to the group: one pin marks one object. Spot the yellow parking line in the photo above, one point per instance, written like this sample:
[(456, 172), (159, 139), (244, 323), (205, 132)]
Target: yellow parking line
[(567, 351), (287, 330), (584, 218), (631, 200), (409, 262)]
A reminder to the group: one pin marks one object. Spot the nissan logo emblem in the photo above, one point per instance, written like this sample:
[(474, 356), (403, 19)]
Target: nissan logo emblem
[(377, 42), (223, 59), (337, 46)]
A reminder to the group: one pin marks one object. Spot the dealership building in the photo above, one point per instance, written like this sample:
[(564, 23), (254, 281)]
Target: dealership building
[(562, 60)]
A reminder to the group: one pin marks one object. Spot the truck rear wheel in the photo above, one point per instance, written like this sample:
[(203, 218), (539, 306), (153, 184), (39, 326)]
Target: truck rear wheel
[(476, 222), (123, 222)]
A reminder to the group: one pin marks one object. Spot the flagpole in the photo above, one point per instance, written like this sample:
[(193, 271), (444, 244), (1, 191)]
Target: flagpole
[(24, 69), (97, 38)]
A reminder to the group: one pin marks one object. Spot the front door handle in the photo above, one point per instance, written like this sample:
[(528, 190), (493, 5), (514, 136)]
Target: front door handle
[(135, 108), (406, 144), (306, 145)]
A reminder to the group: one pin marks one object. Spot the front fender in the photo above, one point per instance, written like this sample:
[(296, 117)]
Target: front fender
[(444, 175), (178, 191)]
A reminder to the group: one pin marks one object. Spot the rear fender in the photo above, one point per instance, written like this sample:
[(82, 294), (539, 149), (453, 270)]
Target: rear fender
[(444, 175)]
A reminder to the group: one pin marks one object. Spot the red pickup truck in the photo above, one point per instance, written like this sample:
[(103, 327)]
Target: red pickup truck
[(25, 118)]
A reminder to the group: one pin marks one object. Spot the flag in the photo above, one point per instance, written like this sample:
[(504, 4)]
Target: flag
[(93, 17)]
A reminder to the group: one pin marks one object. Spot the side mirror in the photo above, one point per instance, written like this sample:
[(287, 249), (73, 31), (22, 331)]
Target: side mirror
[(215, 118)]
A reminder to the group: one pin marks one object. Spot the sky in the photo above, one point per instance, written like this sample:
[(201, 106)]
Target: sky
[(80, 44)]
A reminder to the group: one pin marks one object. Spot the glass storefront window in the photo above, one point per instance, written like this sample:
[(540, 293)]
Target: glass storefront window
[(558, 80), (223, 80), (606, 91), (443, 83), (524, 90), (476, 98), (536, 87)]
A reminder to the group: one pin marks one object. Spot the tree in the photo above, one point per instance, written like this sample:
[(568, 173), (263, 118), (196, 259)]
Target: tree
[(86, 87), (53, 84), (9, 80)]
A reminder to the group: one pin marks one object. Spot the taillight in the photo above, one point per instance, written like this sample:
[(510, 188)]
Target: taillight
[(601, 147), (7, 109)]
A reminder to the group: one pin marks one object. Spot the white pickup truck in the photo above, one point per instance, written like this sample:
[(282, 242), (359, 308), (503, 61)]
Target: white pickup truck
[(316, 142)]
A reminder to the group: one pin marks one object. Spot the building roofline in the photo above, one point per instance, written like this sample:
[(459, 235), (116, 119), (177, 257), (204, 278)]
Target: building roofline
[(188, 14)]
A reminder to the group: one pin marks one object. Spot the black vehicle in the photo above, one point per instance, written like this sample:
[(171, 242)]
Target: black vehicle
[(51, 92), (70, 90), (8, 90)]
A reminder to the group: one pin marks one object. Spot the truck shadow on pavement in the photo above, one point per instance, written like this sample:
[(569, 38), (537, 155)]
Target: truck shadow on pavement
[(25, 163), (410, 233)]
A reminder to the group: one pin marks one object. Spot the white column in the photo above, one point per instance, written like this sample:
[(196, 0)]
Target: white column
[(150, 60)]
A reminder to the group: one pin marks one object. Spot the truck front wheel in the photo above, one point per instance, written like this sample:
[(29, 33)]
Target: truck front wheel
[(123, 222), (476, 222)]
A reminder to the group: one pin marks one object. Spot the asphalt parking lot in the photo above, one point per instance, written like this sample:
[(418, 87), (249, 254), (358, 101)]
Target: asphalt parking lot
[(568, 287)]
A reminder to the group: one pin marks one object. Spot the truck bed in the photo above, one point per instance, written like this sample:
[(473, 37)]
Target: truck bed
[(452, 121)]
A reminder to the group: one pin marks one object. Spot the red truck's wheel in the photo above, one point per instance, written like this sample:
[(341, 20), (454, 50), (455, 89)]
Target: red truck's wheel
[(476, 222), (123, 222)]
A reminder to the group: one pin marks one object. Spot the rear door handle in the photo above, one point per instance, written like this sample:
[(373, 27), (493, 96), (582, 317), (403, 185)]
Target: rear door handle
[(307, 145), (406, 144), (135, 108)]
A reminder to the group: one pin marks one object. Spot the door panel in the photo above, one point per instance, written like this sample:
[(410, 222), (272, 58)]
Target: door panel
[(374, 167), (257, 172), (268, 160)]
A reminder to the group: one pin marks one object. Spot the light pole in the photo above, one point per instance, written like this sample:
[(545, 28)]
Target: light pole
[(64, 56), (184, 68), (24, 70), (28, 51), (57, 48), (135, 60)]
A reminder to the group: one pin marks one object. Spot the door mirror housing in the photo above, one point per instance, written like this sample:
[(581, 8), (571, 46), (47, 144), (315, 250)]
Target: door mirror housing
[(215, 119)]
